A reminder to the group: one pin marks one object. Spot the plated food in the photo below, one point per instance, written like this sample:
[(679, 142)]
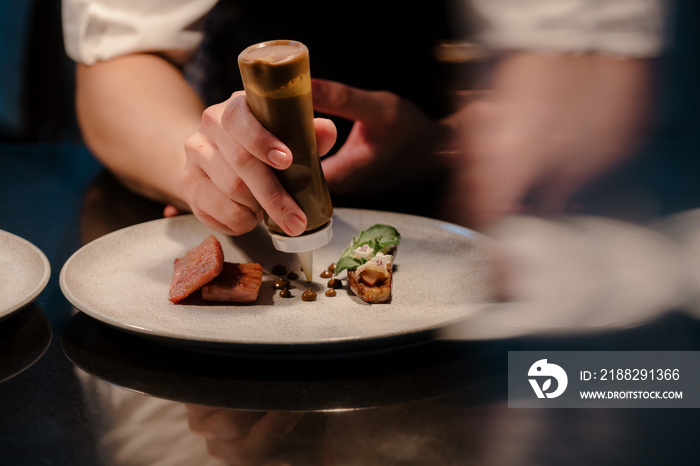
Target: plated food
[(237, 283), (369, 260), (203, 269), (140, 259)]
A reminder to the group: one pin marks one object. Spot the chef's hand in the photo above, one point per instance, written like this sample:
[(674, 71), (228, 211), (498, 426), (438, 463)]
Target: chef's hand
[(391, 141), (241, 438), (227, 181), (550, 125)]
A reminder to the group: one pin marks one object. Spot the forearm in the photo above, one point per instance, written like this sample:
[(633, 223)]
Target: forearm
[(135, 113)]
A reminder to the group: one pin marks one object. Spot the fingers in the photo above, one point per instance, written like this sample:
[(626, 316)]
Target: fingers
[(227, 180), (237, 120), (334, 98), (231, 209), (241, 437), (204, 155), (247, 147), (269, 193), (219, 423), (269, 432), (338, 171), (171, 211), (216, 210)]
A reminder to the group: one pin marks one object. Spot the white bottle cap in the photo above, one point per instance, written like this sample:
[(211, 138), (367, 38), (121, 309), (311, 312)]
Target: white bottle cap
[(305, 242)]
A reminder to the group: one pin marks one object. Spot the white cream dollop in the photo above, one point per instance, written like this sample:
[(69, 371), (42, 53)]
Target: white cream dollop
[(364, 252), (381, 263)]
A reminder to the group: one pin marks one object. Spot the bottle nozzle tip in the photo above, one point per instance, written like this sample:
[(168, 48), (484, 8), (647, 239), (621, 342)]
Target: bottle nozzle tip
[(307, 264)]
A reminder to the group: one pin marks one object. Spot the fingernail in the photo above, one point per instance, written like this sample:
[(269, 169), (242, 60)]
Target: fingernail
[(278, 158), (295, 224)]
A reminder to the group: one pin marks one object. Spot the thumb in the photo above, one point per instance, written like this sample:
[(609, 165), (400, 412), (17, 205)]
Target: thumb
[(326, 135)]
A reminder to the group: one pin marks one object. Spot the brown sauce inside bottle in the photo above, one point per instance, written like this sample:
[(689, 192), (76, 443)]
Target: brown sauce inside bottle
[(277, 82)]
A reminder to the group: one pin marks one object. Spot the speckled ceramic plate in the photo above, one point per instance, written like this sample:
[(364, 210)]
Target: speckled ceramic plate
[(442, 274), (24, 273)]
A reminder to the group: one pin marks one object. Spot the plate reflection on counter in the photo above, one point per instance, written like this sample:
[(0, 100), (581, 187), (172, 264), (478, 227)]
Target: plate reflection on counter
[(242, 382), (24, 338)]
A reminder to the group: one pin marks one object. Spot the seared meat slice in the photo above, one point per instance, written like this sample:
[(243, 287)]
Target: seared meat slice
[(196, 268), (238, 283)]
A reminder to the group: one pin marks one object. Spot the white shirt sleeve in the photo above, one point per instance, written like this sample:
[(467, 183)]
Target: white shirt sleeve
[(96, 30), (633, 28)]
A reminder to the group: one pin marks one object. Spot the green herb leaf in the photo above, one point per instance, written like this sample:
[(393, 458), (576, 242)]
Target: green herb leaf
[(381, 238)]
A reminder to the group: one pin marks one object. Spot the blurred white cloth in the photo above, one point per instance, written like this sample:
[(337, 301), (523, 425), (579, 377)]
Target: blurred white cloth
[(140, 430), (631, 28), (97, 30)]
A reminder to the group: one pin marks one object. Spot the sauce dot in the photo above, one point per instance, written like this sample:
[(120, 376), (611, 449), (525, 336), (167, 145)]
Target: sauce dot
[(281, 284), (292, 275), (326, 274), (285, 293), (279, 270), (330, 293), (308, 295), (333, 283)]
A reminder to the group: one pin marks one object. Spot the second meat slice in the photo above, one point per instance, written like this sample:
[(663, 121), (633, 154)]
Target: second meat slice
[(238, 283)]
